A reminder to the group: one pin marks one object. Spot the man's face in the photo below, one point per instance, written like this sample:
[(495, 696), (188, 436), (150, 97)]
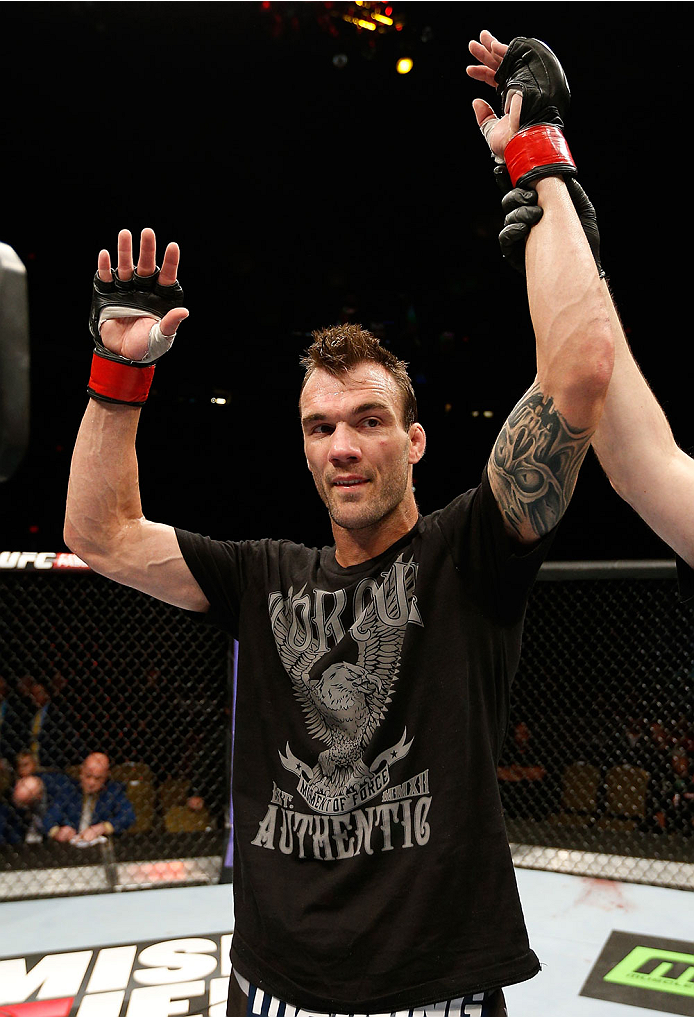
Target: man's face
[(26, 765), (28, 791), (356, 446), (93, 774)]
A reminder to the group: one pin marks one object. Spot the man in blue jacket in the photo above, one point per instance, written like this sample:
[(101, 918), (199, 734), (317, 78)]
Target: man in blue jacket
[(32, 796), (93, 807)]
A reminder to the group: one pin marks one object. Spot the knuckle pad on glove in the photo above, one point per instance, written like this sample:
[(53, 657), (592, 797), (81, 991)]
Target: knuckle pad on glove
[(172, 292), (529, 66), (142, 296), (103, 287), (146, 282), (122, 285)]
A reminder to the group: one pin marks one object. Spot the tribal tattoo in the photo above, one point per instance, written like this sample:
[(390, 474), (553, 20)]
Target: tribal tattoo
[(534, 464)]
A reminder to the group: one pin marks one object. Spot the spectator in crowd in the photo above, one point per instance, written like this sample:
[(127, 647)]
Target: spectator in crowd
[(32, 795), (26, 764), (30, 799), (48, 732), (673, 796), (41, 729), (24, 812), (92, 807), (195, 801)]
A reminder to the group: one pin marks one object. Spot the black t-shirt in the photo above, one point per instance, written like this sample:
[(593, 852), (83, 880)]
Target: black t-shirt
[(372, 870)]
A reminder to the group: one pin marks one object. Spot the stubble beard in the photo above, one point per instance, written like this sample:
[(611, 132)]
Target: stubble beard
[(374, 509)]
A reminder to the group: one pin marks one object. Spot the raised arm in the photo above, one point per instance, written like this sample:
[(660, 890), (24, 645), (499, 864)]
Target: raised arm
[(535, 461), (633, 439), (638, 452), (104, 523)]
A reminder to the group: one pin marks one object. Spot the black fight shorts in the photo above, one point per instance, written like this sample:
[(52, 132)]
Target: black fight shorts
[(256, 1003)]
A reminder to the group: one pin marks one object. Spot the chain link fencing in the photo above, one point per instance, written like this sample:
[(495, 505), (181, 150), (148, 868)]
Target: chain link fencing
[(597, 772), (90, 669), (596, 776)]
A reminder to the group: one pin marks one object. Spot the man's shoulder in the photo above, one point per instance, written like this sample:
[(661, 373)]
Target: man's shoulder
[(457, 509), (55, 782), (114, 788)]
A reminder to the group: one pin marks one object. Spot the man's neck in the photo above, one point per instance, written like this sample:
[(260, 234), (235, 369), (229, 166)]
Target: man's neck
[(353, 547)]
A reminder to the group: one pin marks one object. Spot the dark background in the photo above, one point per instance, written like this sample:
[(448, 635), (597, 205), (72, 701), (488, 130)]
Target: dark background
[(302, 194)]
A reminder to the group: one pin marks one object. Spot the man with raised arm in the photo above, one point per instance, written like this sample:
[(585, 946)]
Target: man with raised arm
[(633, 440), (372, 868), (644, 464)]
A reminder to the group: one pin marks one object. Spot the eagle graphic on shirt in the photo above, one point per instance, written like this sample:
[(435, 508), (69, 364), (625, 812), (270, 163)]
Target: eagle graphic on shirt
[(344, 702)]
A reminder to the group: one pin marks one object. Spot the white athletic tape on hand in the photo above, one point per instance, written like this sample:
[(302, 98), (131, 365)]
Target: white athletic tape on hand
[(487, 127), (157, 343)]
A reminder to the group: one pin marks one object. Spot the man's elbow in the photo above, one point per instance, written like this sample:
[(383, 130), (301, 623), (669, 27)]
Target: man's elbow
[(596, 379), (76, 541), (597, 362), (70, 535), (582, 385), (96, 549)]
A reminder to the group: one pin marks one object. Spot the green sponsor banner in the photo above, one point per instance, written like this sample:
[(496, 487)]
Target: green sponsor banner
[(637, 969), (644, 971)]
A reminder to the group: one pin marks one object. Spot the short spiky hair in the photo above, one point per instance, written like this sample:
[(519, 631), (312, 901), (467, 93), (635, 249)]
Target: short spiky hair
[(342, 347)]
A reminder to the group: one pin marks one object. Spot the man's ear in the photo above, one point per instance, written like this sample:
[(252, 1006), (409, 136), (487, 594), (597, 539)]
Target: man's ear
[(418, 443)]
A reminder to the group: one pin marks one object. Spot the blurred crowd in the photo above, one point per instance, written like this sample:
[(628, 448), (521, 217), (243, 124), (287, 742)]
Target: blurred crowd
[(653, 762), (52, 805), (57, 745)]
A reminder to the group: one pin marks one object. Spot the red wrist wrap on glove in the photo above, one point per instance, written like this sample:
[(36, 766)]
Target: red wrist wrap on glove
[(542, 148), (120, 383)]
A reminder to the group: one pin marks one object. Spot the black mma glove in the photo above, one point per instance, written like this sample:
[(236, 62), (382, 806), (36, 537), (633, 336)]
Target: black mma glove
[(539, 148), (522, 213), (114, 378), (530, 67)]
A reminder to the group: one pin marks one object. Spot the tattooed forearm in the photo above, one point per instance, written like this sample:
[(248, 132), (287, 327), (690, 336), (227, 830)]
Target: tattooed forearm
[(534, 465)]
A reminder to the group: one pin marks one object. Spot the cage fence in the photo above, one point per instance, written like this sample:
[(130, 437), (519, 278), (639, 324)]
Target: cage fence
[(90, 669), (596, 774)]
